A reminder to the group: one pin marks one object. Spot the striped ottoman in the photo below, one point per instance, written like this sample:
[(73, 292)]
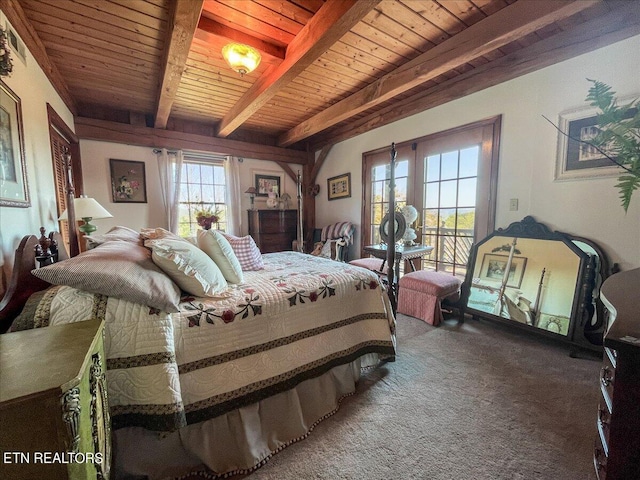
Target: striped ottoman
[(420, 294)]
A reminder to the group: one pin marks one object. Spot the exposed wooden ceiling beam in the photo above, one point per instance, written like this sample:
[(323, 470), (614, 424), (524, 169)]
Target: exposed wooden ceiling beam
[(182, 27), (17, 18), (92, 129), (617, 25), (328, 25), (318, 163), (218, 35), (507, 25)]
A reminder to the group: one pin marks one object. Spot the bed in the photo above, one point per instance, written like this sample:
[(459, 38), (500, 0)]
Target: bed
[(226, 381)]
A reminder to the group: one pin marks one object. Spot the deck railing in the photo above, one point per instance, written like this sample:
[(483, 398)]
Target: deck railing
[(451, 248)]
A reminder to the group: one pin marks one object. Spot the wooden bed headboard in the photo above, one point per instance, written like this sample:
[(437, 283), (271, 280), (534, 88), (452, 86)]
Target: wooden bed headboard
[(32, 252)]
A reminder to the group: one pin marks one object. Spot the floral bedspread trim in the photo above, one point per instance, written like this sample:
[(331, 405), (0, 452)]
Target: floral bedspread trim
[(220, 404), (226, 357), (227, 315)]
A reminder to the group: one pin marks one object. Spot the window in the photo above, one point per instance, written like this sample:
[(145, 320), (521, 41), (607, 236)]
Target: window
[(380, 193), (449, 192), (202, 186), (450, 177)]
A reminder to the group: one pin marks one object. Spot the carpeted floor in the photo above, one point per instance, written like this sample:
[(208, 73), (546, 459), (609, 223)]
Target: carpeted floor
[(476, 401)]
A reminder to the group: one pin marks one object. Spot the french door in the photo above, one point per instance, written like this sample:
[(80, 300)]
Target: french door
[(451, 179)]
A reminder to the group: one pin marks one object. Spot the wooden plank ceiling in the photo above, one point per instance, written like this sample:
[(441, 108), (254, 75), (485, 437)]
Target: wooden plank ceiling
[(330, 69)]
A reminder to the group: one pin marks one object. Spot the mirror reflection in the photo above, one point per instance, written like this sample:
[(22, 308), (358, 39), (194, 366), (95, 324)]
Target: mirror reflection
[(530, 281)]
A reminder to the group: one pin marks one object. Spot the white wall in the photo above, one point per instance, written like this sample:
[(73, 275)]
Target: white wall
[(31, 85), (588, 208)]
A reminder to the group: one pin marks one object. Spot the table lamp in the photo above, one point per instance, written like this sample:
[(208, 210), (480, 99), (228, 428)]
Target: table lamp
[(87, 209), (252, 193)]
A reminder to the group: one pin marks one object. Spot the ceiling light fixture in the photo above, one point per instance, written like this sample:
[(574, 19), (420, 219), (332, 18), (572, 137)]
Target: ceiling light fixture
[(242, 58)]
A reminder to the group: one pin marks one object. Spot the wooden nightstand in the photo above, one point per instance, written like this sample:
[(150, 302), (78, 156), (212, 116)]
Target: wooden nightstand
[(54, 415), (617, 450)]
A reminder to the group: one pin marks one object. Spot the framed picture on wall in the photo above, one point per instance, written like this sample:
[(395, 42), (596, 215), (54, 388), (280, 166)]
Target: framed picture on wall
[(339, 186), (14, 190), (128, 181), (494, 267), (576, 158), (266, 184)]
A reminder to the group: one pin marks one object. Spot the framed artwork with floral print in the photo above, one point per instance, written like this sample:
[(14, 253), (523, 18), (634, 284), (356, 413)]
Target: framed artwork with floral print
[(128, 183)]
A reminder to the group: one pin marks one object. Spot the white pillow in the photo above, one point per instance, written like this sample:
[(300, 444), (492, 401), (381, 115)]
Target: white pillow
[(188, 266), (219, 249)]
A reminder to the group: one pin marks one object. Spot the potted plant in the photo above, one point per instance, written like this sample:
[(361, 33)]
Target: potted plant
[(619, 136), (207, 216)]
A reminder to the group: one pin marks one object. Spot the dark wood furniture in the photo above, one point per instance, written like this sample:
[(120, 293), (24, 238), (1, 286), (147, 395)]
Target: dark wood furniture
[(53, 401), (617, 450), (30, 252), (273, 230)]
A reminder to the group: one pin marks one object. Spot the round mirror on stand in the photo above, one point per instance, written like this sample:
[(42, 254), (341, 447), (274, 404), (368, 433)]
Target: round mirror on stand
[(400, 226)]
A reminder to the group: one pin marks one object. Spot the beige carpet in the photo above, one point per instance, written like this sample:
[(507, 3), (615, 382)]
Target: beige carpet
[(476, 401)]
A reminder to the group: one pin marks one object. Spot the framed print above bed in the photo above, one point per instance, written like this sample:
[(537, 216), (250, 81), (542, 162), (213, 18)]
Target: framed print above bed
[(14, 191), (128, 181)]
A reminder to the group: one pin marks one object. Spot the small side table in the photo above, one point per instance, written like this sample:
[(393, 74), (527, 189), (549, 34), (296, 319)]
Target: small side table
[(402, 253)]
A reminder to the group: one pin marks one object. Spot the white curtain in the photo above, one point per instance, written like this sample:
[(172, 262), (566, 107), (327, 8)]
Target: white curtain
[(170, 168), (233, 195)]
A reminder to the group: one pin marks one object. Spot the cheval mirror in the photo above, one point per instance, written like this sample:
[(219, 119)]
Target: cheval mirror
[(538, 280)]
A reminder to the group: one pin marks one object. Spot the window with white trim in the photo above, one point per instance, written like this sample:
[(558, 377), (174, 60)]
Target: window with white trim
[(202, 188)]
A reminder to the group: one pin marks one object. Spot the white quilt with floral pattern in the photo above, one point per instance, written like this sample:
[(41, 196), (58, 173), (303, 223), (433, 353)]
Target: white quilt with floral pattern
[(296, 319)]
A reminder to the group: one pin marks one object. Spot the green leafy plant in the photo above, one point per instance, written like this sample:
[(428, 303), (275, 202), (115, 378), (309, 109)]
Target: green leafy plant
[(618, 138)]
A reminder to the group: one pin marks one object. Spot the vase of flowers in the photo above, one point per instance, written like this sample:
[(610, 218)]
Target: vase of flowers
[(206, 217)]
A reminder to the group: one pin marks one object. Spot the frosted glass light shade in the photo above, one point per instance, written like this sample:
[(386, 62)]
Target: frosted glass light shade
[(242, 58)]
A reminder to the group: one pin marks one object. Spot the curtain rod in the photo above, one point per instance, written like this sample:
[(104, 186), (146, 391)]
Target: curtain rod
[(158, 150)]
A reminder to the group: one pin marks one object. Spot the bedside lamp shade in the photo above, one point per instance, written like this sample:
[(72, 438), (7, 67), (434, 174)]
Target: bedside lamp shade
[(87, 208), (252, 193)]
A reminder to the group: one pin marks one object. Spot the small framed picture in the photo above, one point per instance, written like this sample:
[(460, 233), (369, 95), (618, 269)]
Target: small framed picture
[(128, 181), (13, 170), (266, 184), (339, 186), (576, 158), (494, 267)]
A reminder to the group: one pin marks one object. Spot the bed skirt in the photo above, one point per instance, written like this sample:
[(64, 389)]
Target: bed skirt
[(239, 441)]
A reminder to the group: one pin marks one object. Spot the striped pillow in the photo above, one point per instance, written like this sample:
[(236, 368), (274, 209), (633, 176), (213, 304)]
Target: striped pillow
[(246, 251), (116, 269)]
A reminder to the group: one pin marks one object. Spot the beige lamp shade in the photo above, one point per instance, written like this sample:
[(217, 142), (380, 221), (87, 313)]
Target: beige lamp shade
[(242, 58), (87, 209)]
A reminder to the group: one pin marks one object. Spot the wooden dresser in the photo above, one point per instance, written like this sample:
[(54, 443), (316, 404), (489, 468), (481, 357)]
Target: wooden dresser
[(617, 450), (273, 230), (54, 417)]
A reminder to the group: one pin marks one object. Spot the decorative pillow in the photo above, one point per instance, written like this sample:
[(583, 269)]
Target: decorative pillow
[(116, 269), (125, 234), (247, 252), (188, 266), (158, 233), (220, 250)]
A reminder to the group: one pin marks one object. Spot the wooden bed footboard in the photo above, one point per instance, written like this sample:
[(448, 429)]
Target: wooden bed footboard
[(31, 253)]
